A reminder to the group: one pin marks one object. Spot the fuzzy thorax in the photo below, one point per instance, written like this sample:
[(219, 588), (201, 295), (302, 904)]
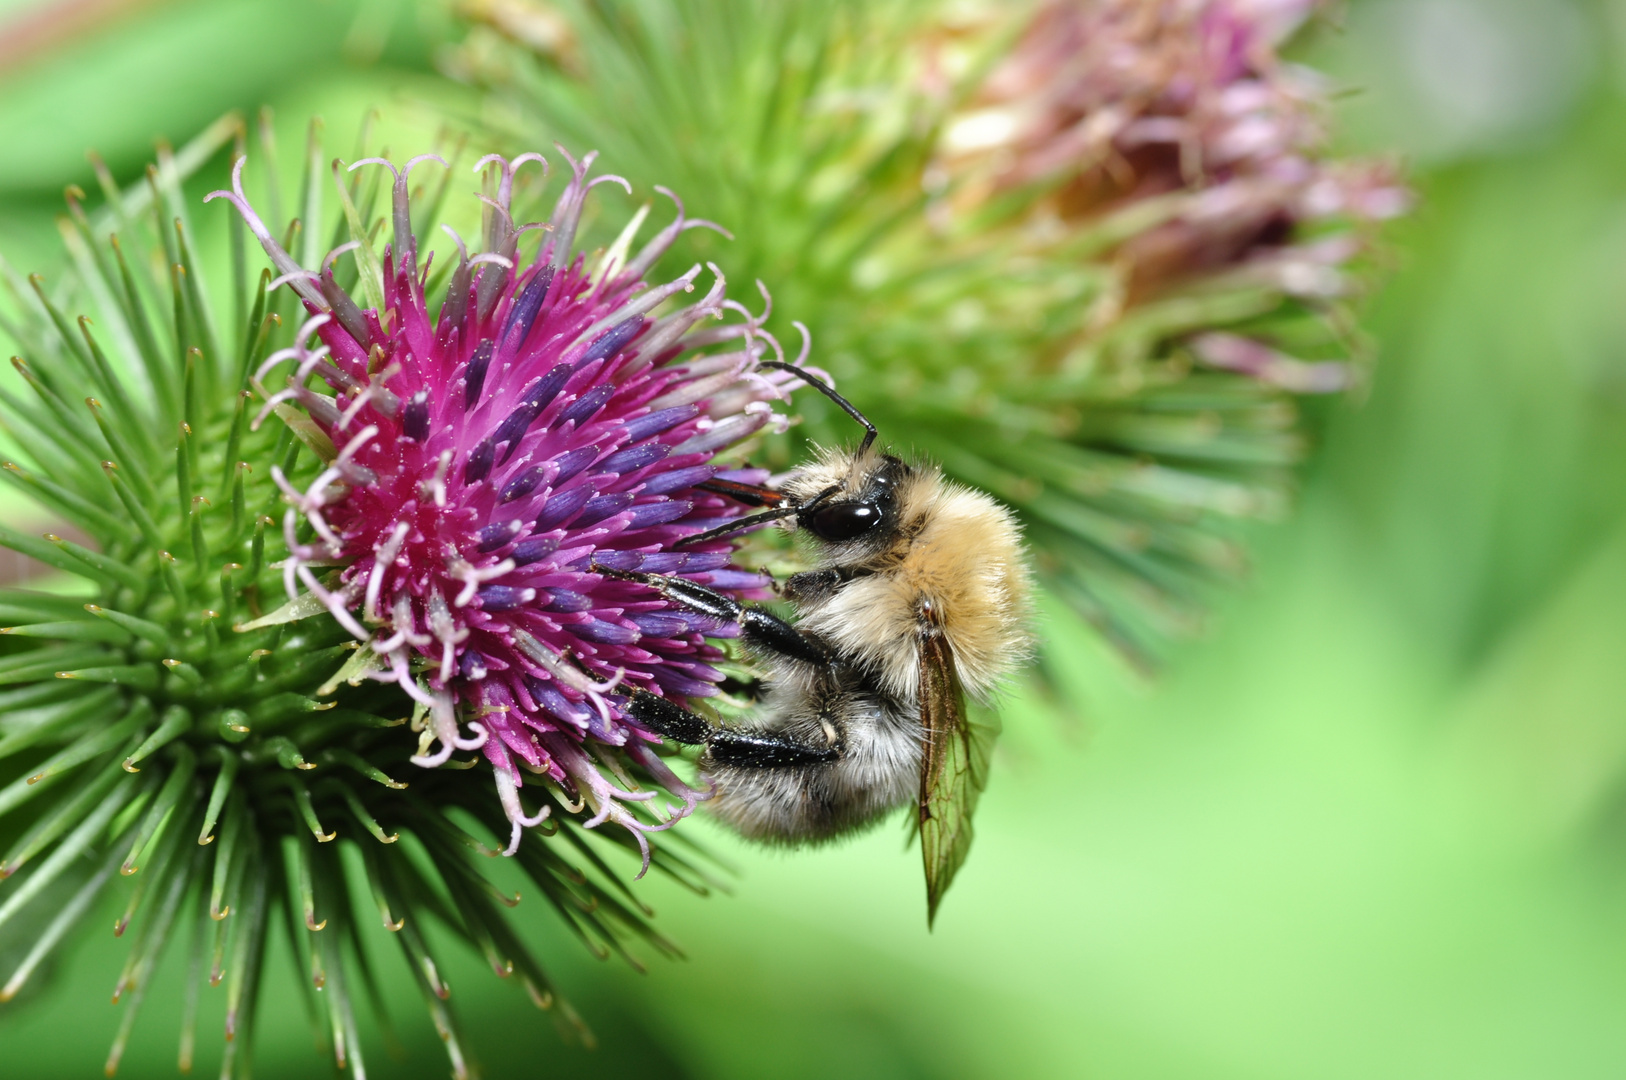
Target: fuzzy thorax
[(952, 548)]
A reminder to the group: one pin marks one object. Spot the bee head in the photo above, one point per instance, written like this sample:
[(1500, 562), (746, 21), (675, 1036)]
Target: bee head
[(844, 498), (863, 507), (848, 497)]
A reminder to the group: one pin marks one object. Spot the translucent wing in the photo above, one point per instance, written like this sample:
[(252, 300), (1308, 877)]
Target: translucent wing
[(954, 769)]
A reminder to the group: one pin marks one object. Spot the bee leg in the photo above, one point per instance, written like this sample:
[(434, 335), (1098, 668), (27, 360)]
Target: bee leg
[(812, 586), (669, 719), (760, 629), (745, 749), (760, 750)]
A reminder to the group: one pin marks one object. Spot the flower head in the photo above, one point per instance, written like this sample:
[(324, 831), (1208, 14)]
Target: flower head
[(169, 733), (1180, 111), (483, 463), (1083, 252)]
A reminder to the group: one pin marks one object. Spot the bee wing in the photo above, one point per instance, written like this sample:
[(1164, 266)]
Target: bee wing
[(954, 768)]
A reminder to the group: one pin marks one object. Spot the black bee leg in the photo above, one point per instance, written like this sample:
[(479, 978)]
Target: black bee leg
[(759, 750), (668, 719), (760, 629), (745, 749), (811, 586)]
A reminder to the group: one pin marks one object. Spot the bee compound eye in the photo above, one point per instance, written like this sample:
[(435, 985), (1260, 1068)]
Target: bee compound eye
[(842, 521)]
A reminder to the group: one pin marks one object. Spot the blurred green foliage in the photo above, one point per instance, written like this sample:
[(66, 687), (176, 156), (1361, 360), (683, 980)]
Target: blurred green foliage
[(1374, 825)]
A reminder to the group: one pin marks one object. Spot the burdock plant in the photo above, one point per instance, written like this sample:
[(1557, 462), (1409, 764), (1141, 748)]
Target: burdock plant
[(335, 636), (330, 630), (1085, 253)]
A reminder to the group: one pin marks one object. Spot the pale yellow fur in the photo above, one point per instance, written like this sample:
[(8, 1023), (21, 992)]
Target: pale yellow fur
[(960, 551), (949, 561)]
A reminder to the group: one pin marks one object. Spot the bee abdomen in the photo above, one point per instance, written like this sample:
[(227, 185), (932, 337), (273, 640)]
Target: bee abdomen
[(876, 770)]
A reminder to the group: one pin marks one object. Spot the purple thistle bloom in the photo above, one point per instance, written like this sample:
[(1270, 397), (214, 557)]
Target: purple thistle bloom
[(1185, 109), (482, 461)]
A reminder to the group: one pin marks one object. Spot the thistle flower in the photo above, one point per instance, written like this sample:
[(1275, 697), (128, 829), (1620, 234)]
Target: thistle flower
[(1083, 252), (483, 464), (162, 694), (1117, 104)]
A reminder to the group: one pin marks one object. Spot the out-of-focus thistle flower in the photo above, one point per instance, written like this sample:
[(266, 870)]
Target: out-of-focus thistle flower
[(1084, 252), (497, 424), (1182, 111)]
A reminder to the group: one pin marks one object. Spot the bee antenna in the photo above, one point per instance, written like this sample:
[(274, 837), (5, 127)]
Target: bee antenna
[(788, 510), (736, 525), (830, 392)]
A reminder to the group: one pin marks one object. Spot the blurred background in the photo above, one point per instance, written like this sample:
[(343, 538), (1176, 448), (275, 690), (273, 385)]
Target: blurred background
[(1373, 823)]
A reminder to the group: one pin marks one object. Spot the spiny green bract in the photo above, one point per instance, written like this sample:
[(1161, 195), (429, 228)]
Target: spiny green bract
[(998, 261), (168, 718)]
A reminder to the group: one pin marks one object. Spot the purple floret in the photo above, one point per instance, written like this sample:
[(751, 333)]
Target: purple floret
[(485, 460)]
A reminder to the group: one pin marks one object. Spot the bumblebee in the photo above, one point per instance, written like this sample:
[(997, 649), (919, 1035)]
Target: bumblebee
[(919, 598)]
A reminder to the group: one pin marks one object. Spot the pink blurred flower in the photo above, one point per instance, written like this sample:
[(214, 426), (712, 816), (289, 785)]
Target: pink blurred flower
[(1180, 117)]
